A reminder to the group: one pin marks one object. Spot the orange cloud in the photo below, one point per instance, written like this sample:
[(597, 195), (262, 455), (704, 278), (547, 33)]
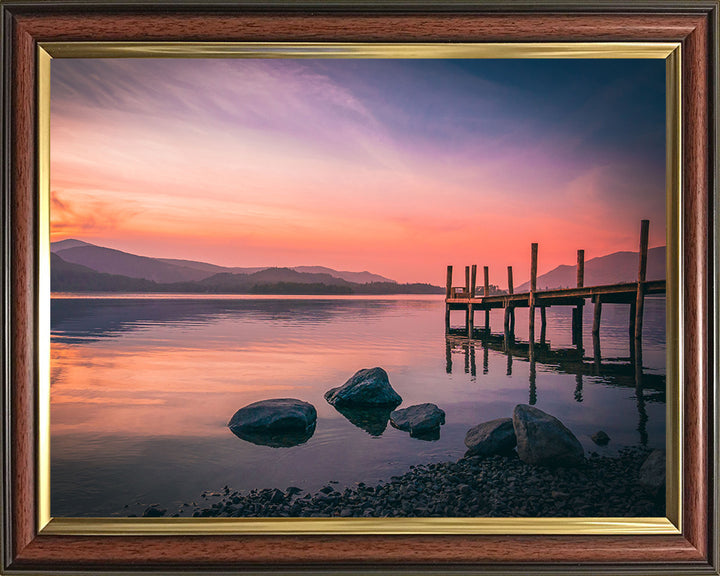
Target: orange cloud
[(71, 216)]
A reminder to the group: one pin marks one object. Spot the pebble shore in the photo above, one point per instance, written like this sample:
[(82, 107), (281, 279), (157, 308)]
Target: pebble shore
[(496, 486)]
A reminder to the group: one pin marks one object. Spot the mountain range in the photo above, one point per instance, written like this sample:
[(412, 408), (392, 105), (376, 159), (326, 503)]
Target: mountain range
[(78, 266), (166, 270)]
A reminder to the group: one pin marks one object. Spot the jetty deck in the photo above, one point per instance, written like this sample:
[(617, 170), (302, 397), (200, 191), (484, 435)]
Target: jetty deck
[(625, 292), (469, 299)]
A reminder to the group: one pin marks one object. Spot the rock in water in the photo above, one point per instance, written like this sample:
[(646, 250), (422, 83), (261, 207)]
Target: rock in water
[(600, 438), (366, 387), (652, 473), (277, 422), (543, 439), (489, 438), (419, 420)]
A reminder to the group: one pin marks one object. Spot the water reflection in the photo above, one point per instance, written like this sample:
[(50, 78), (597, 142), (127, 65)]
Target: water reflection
[(78, 320), (140, 391), (371, 419), (275, 438), (622, 372)]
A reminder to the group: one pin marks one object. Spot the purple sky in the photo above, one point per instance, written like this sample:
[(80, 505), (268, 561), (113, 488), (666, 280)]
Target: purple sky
[(399, 167)]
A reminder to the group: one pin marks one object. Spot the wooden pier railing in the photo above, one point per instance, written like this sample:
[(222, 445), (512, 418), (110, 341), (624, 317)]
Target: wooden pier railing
[(632, 293)]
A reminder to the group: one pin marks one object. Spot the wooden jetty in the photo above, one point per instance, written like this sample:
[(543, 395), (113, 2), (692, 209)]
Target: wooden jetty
[(465, 298)]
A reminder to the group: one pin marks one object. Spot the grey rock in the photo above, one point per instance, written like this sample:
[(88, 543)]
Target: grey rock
[(489, 438), (543, 440), (652, 473), (277, 422), (419, 420), (369, 386), (600, 438)]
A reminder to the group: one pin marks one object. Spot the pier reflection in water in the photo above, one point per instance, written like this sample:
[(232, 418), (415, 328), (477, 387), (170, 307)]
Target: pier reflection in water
[(620, 371)]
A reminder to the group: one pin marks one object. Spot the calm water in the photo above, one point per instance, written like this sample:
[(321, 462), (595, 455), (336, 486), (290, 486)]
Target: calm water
[(143, 387)]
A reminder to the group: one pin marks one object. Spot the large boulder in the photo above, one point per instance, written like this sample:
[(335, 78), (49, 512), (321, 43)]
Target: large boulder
[(652, 473), (542, 439), (277, 422), (368, 387), (420, 420), (490, 438)]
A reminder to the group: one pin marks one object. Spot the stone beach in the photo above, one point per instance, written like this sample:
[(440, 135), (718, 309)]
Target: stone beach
[(495, 486)]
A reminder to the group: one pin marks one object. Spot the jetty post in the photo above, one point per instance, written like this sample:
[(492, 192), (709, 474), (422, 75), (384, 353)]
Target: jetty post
[(577, 324), (509, 323), (531, 296), (486, 293), (471, 294), (532, 395), (642, 273), (597, 313), (597, 358), (448, 295), (468, 310)]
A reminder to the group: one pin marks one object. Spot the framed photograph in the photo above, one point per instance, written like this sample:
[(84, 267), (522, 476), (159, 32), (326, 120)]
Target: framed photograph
[(349, 287)]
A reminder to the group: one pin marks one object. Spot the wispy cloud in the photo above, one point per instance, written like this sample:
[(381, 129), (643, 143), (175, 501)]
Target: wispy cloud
[(382, 165)]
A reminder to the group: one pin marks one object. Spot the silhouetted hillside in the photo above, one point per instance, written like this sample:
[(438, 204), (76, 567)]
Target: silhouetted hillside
[(167, 270), (611, 269), (71, 277)]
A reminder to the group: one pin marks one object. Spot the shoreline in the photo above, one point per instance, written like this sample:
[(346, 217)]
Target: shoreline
[(496, 486)]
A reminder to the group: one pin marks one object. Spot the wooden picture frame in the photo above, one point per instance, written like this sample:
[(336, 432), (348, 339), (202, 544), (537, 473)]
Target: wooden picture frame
[(28, 24)]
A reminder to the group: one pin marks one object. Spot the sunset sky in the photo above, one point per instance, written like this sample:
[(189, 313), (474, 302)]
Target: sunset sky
[(399, 167)]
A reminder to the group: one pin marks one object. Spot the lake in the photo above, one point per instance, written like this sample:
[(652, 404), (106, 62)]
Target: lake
[(143, 386)]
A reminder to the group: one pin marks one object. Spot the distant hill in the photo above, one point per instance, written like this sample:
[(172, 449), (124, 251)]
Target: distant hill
[(69, 277), (234, 282), (167, 270), (69, 243), (113, 261), (611, 269), (210, 268), (364, 277)]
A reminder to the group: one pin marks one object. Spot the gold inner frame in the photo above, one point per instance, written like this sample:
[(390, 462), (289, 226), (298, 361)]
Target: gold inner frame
[(670, 52)]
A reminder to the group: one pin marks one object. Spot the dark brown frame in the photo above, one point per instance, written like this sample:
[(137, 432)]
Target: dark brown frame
[(694, 23)]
